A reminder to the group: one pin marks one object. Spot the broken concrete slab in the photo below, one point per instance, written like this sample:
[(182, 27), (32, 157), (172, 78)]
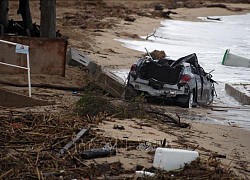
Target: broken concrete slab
[(109, 82), (102, 77), (240, 92), (11, 99), (77, 58)]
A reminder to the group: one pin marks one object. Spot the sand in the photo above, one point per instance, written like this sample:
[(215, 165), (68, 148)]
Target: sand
[(111, 53), (103, 49), (227, 140)]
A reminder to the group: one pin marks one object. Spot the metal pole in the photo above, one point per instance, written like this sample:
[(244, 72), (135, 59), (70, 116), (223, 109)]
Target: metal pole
[(12, 65), (7, 42), (28, 66)]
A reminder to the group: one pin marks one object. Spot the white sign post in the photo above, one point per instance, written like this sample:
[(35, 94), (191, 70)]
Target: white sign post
[(22, 49)]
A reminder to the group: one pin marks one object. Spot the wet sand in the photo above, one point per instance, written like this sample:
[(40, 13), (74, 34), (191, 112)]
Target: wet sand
[(111, 53), (231, 141), (228, 140)]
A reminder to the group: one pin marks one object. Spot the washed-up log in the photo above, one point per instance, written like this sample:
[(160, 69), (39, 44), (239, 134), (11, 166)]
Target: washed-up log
[(217, 6), (96, 153)]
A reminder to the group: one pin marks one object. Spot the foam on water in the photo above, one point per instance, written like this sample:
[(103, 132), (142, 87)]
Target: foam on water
[(209, 40)]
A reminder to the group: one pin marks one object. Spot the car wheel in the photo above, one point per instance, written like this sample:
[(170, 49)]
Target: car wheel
[(130, 92), (189, 102)]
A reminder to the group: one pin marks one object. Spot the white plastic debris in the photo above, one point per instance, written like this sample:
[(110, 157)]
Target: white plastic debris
[(172, 159), (144, 174)]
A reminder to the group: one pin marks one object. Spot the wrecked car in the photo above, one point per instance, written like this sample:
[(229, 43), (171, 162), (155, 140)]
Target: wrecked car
[(183, 81)]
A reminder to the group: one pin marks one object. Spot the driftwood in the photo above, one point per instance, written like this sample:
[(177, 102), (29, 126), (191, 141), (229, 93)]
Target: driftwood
[(217, 6), (170, 118), (150, 35), (155, 36), (39, 160)]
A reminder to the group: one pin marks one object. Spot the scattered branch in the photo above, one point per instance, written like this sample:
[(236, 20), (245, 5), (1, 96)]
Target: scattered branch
[(150, 35)]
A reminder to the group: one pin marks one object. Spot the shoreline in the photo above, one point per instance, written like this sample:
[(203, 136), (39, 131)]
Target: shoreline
[(193, 14), (112, 53), (101, 46), (223, 139)]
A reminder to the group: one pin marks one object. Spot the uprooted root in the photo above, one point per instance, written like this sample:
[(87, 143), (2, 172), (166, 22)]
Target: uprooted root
[(94, 106)]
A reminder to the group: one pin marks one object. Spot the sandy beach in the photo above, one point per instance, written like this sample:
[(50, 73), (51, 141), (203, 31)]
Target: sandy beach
[(118, 57), (227, 140), (100, 45)]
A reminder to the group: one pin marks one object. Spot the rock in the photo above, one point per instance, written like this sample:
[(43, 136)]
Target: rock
[(159, 7), (129, 18), (158, 54), (146, 14)]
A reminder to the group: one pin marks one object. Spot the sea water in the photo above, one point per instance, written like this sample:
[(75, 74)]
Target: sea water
[(209, 39)]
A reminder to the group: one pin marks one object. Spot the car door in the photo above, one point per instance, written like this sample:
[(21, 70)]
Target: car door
[(198, 81), (206, 90), (206, 87)]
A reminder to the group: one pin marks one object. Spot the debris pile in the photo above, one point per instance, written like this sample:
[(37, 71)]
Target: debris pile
[(92, 15), (197, 169), (32, 146), (46, 146), (92, 105)]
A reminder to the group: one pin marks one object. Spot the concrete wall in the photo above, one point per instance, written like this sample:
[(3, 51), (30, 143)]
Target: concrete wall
[(237, 94), (11, 99), (47, 56)]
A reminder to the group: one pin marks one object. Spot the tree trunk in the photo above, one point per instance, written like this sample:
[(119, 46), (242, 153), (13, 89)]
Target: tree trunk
[(4, 19), (48, 18), (24, 10)]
